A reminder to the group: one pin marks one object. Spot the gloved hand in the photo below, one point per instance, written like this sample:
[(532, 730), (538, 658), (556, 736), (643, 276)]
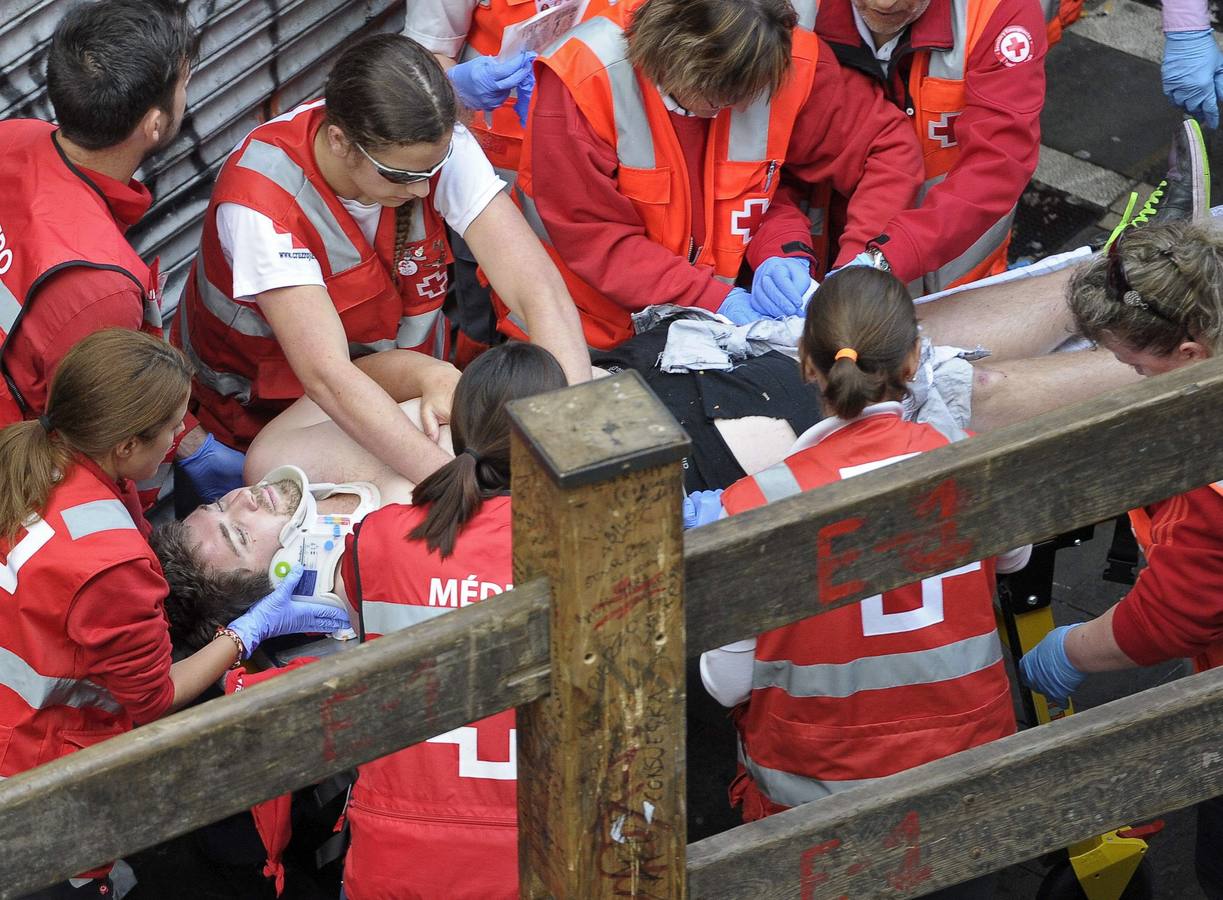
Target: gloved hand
[(1193, 74), (1047, 669), (702, 507), (778, 286), (485, 82), (278, 613), (214, 469), (739, 308)]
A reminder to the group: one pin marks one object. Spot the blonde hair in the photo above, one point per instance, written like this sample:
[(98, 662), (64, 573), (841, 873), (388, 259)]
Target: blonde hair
[(1157, 286), (725, 52), (113, 385)]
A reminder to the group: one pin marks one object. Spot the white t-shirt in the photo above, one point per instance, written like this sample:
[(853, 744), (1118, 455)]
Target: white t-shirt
[(264, 257), (440, 26)]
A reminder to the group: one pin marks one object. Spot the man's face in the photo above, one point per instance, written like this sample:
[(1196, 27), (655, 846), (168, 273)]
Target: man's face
[(890, 17), (241, 531)]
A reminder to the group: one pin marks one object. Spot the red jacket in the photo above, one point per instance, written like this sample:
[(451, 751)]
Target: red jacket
[(56, 219), (1176, 606), (871, 689), (976, 108), (623, 246), (438, 819), (85, 651), (242, 377)]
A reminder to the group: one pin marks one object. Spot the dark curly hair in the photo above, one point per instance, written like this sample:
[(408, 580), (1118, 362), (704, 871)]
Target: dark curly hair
[(202, 598)]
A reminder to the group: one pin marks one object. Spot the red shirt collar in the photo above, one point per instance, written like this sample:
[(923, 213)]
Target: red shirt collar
[(127, 202)]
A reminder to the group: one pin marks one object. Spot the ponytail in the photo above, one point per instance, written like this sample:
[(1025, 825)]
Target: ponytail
[(480, 427), (31, 461), (860, 332)]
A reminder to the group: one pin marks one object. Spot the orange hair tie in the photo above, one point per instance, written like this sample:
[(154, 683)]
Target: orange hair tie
[(846, 353)]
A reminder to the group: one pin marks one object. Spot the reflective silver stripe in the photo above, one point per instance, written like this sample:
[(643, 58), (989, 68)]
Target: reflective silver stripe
[(877, 673), (777, 482), (981, 249), (413, 331), (96, 515), (152, 311), (519, 321), (927, 185), (385, 618), (226, 384), (789, 789), (634, 140), (749, 132), (161, 481), (42, 691), (531, 214), (242, 319), (949, 64), (274, 164), (806, 10), (10, 308)]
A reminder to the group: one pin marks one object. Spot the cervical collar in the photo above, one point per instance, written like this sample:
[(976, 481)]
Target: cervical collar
[(315, 540)]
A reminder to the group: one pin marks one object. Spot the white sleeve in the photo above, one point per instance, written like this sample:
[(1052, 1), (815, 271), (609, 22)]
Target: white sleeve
[(1013, 560), (727, 671), (467, 183), (262, 256), (441, 26)]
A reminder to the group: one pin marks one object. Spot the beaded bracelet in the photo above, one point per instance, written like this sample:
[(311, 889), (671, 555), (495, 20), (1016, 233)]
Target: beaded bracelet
[(233, 636)]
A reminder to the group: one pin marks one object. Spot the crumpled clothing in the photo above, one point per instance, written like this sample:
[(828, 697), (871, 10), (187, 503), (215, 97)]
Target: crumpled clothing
[(700, 340), (940, 394)]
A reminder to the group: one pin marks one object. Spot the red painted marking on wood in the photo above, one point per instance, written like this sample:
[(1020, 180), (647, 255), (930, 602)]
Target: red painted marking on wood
[(626, 596), (943, 505), (829, 561), (427, 669), (333, 722), (855, 869), (911, 872), (809, 878)]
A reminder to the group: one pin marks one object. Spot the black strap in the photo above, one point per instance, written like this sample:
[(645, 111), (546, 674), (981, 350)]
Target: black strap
[(1123, 553)]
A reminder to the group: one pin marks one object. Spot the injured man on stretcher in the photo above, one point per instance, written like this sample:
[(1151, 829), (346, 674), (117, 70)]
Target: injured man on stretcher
[(220, 558)]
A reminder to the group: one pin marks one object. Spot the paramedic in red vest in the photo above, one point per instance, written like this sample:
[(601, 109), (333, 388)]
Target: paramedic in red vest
[(466, 38), (924, 659), (971, 76), (325, 241), (654, 151), (85, 651), (117, 74), (1154, 300)]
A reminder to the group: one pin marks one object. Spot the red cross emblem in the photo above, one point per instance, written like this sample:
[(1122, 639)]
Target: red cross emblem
[(942, 129), (433, 285), (1014, 45), (744, 222)]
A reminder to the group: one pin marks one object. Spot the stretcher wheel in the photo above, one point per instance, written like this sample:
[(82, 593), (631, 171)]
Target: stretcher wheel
[(1060, 883)]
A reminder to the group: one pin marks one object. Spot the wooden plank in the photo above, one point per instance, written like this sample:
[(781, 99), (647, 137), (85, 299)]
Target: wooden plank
[(596, 485), (201, 765), (983, 809), (831, 547)]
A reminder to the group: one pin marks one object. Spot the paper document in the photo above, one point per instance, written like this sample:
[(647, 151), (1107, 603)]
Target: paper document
[(542, 29)]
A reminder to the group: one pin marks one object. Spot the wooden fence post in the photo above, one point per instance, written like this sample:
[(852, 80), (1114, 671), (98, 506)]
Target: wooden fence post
[(597, 491)]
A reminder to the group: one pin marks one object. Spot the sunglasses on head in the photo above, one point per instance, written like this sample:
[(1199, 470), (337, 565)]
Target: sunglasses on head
[(1118, 286), (405, 176)]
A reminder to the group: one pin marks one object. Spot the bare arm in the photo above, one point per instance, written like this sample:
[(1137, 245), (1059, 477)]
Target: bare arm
[(523, 275), (193, 675), (1092, 648), (310, 333)]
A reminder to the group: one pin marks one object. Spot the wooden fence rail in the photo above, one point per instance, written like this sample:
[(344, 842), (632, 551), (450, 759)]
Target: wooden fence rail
[(590, 646)]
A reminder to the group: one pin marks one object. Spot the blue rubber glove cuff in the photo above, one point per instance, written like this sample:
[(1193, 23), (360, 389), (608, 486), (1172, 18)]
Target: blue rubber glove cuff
[(1046, 667), (702, 507), (738, 307), (1192, 73), (778, 285), (214, 469)]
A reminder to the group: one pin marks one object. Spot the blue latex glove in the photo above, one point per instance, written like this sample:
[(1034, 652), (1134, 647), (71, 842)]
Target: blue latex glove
[(1047, 669), (1193, 74), (485, 83), (278, 613), (702, 507), (740, 308), (214, 469), (778, 286)]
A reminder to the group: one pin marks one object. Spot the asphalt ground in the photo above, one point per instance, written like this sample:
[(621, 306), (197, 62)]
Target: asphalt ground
[(1106, 130)]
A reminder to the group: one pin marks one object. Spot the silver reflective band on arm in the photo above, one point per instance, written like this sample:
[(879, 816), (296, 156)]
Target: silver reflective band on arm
[(97, 515), (43, 691)]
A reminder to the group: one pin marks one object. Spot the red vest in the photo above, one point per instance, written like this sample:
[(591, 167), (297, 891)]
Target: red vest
[(438, 819), (501, 138), (745, 152), (871, 689), (242, 377), (49, 707), (53, 218)]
